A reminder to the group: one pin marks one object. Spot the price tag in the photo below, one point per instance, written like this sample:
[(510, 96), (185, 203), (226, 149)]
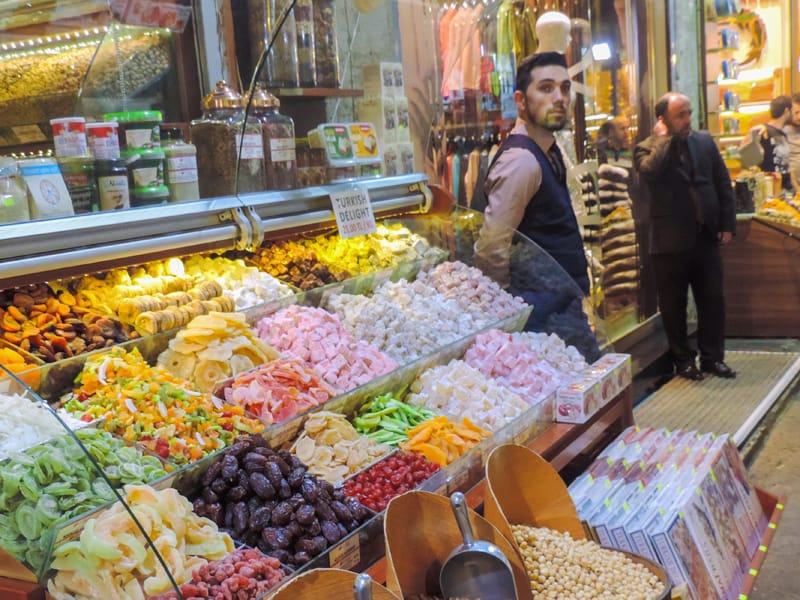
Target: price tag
[(347, 554), (353, 212)]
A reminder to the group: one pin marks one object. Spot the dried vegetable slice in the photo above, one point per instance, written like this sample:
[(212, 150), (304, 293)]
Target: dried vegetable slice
[(151, 406)]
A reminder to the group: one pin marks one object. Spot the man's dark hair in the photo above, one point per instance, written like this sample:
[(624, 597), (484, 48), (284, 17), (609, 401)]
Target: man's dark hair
[(796, 98), (778, 106), (539, 59)]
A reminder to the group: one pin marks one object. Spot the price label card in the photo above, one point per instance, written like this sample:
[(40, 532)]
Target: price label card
[(353, 212), (347, 554)]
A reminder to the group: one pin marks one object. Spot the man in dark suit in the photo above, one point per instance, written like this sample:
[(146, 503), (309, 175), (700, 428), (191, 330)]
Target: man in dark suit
[(691, 214)]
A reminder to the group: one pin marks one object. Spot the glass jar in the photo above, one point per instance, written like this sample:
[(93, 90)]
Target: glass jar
[(181, 167), (304, 19), (326, 45), (78, 174), (13, 197), (278, 135), (112, 183), (137, 129), (280, 67), (218, 136)]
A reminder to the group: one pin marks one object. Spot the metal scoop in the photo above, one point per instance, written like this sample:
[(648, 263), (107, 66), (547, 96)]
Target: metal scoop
[(475, 570), (362, 587)]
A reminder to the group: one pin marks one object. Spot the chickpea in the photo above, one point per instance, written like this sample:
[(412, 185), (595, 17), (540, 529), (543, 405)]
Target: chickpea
[(561, 568)]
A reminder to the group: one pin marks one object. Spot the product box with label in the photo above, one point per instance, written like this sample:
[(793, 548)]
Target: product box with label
[(405, 158), (47, 193), (615, 373), (578, 401), (381, 111), (391, 160), (383, 79), (403, 131)]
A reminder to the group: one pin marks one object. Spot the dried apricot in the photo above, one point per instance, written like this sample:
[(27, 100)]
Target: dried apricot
[(11, 324), (15, 312)]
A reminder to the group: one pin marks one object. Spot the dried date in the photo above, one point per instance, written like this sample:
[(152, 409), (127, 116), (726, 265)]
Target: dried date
[(281, 514), (261, 486)]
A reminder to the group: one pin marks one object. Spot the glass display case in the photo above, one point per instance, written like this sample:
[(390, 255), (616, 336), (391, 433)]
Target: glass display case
[(102, 302)]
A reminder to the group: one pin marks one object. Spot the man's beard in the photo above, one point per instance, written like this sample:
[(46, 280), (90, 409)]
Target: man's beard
[(550, 122)]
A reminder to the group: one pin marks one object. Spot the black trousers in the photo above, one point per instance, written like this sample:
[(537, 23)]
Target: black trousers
[(701, 268)]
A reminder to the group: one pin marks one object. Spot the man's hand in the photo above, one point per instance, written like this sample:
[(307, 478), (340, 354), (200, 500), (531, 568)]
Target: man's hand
[(660, 128), (724, 237)]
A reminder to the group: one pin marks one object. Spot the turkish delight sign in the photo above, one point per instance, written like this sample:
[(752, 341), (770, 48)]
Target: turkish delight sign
[(353, 212)]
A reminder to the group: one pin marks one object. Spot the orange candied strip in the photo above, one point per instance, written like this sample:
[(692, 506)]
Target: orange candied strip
[(441, 441)]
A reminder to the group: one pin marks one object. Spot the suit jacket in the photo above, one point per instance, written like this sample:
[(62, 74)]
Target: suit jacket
[(675, 191)]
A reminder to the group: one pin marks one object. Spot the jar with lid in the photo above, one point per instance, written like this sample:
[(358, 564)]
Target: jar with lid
[(278, 135), (78, 174), (181, 167), (218, 136), (13, 197), (326, 45), (304, 19), (112, 183), (280, 67)]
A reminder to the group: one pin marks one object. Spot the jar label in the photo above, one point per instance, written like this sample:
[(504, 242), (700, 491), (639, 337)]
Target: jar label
[(252, 147), (282, 150), (104, 147), (70, 143), (114, 193), (147, 176), (182, 169), (140, 137), (7, 200)]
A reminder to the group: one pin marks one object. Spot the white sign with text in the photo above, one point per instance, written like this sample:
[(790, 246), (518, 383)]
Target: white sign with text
[(353, 212)]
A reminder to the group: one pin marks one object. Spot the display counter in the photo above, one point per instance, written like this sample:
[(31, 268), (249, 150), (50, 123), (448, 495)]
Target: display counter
[(762, 279)]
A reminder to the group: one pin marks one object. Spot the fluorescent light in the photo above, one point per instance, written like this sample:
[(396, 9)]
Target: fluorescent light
[(596, 117), (601, 51)]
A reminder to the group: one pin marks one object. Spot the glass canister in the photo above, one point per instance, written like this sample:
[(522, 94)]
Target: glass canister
[(112, 183), (326, 45), (181, 167), (218, 136), (304, 19), (280, 65), (13, 197), (137, 129), (279, 145), (78, 174)]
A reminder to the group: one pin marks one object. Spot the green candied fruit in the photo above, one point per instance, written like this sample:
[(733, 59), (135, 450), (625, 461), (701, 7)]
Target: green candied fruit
[(49, 484)]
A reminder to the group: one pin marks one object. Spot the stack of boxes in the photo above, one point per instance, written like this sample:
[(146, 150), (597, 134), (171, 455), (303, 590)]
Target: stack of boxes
[(679, 498), (385, 104)]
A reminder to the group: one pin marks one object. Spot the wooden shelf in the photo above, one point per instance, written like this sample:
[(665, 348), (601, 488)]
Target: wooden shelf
[(317, 93)]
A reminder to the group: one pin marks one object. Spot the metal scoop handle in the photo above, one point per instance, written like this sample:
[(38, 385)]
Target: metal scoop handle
[(459, 504), (362, 587)]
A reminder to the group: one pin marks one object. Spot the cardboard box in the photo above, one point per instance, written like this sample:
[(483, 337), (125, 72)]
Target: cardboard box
[(578, 401)]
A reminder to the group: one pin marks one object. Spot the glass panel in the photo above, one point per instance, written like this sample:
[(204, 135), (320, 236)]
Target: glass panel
[(61, 496)]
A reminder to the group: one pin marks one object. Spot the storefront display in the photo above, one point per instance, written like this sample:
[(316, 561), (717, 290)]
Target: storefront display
[(249, 377)]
